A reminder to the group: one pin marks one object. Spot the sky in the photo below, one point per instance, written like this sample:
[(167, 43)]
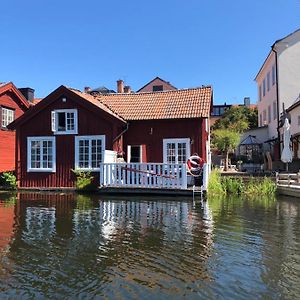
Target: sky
[(47, 43)]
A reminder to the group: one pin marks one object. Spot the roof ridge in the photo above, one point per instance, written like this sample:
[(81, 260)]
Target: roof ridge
[(157, 92), (97, 98)]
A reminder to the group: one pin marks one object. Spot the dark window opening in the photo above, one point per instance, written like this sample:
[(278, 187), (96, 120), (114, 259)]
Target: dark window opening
[(61, 121), (157, 88), (135, 154)]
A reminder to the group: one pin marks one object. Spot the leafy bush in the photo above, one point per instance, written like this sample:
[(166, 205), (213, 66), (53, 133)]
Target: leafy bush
[(214, 184), (84, 180), (218, 185), (8, 180), (233, 185), (260, 187)]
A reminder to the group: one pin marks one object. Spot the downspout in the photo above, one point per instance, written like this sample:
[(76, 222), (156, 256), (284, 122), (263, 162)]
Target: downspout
[(277, 95), (119, 135)]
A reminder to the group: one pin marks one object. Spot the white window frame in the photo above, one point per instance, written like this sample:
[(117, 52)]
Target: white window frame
[(129, 152), (9, 116), (89, 138), (41, 138), (176, 141), (54, 121)]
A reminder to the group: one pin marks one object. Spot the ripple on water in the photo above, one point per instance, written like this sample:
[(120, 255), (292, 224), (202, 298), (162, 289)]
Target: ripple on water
[(149, 249)]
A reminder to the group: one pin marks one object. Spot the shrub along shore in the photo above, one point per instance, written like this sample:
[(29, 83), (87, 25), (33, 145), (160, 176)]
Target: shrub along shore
[(256, 186)]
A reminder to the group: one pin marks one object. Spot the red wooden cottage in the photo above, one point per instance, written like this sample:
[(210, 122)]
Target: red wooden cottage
[(12, 105), (70, 129)]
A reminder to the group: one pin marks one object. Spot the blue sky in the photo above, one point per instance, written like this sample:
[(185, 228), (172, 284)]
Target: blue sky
[(190, 43)]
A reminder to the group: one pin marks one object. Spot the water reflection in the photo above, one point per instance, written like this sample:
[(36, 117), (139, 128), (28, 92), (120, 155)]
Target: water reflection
[(77, 246), (66, 245)]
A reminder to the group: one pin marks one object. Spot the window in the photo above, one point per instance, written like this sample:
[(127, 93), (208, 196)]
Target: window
[(268, 81), (274, 110), (8, 115), (264, 117), (264, 87), (269, 114), (219, 110), (176, 150), (89, 152), (259, 93), (273, 75), (64, 121), (41, 154), (260, 120), (157, 88), (216, 111), (135, 153)]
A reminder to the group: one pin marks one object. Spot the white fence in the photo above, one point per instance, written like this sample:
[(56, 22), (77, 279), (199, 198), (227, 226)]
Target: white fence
[(288, 179), (143, 175)]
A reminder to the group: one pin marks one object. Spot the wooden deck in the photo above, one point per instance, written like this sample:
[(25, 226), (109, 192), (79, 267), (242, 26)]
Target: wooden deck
[(288, 184)]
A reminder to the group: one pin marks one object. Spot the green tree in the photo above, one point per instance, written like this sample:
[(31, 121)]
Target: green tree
[(237, 118), (225, 140)]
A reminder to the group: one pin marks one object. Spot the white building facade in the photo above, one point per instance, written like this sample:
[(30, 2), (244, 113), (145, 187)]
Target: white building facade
[(278, 82)]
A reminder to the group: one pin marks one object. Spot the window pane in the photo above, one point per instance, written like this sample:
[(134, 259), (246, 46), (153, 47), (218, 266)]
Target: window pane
[(7, 116), (171, 153), (61, 121), (41, 154), (70, 121), (83, 153), (96, 153), (181, 152), (176, 152)]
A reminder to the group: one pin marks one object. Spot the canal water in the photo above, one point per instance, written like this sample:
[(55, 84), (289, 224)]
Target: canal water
[(66, 246)]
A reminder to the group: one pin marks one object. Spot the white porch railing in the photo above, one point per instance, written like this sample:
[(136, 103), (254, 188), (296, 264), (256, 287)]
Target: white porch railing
[(143, 175)]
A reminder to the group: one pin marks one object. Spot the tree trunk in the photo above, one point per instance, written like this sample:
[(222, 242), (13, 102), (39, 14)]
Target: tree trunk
[(226, 161)]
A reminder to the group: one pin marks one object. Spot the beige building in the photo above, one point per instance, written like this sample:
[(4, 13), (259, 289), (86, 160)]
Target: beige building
[(278, 82), (294, 116)]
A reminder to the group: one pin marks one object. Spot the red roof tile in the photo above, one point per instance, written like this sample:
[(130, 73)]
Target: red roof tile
[(95, 101), (177, 104)]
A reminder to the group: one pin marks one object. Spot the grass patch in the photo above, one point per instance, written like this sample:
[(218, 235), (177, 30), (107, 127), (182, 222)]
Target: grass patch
[(219, 185), (214, 184)]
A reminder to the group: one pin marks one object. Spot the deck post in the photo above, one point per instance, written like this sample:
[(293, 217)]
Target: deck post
[(184, 177)]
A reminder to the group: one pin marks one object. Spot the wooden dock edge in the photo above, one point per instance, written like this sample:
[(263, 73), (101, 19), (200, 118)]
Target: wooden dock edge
[(292, 191)]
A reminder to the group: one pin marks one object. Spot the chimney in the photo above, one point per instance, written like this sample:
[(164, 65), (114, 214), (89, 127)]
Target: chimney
[(120, 86), (87, 89), (247, 101), (28, 93), (127, 89)]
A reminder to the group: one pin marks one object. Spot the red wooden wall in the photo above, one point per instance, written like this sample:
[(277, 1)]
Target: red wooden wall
[(7, 137), (151, 133), (89, 123)]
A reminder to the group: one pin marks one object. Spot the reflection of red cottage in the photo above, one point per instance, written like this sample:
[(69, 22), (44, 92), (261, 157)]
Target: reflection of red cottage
[(74, 128), (7, 218), (12, 105)]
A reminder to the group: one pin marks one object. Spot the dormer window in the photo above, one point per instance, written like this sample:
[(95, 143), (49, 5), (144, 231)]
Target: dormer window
[(157, 88), (8, 115), (64, 121)]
